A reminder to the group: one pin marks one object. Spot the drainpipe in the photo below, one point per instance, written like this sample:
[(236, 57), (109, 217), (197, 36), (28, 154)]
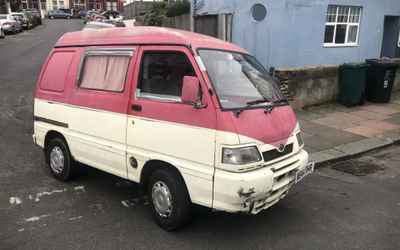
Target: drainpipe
[(8, 7), (192, 14)]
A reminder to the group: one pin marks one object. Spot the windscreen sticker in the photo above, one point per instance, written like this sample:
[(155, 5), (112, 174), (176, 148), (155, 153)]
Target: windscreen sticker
[(200, 63)]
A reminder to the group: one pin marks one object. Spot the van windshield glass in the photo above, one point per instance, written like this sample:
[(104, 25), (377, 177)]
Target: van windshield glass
[(239, 79)]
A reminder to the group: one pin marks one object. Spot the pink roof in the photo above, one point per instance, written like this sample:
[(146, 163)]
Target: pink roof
[(143, 35)]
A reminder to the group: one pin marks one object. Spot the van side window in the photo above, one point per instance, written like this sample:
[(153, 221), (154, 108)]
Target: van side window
[(56, 71), (104, 72), (161, 75)]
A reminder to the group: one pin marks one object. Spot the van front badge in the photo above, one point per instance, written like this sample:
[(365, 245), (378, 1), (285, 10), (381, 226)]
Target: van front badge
[(281, 148)]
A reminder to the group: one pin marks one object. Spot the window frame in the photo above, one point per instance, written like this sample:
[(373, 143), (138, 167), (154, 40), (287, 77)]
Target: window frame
[(348, 24), (398, 41), (158, 97), (128, 52)]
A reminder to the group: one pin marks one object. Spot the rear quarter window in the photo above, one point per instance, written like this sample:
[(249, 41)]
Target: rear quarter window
[(56, 72)]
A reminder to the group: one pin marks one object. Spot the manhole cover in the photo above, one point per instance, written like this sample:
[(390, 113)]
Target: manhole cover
[(358, 168)]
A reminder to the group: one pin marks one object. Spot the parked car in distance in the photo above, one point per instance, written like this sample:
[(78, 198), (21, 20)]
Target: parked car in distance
[(89, 15), (111, 14), (2, 34), (114, 22), (82, 14), (67, 11), (31, 18), (97, 26), (25, 22), (36, 16), (202, 124), (10, 24), (52, 14)]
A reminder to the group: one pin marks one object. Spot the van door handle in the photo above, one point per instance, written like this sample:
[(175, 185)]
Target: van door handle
[(136, 107)]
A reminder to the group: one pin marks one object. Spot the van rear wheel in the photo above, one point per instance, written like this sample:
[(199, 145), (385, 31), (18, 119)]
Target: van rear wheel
[(169, 199), (59, 159)]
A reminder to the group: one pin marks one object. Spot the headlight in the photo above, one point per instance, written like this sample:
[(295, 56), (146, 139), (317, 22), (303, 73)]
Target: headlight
[(240, 156), (299, 139)]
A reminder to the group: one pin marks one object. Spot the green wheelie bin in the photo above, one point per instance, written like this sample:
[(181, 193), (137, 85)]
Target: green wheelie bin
[(352, 80), (380, 79)]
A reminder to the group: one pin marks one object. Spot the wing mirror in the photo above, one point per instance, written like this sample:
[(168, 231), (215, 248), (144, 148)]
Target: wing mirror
[(191, 92)]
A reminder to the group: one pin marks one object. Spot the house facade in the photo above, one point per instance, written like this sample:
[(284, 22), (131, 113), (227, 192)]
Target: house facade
[(46, 5), (298, 33)]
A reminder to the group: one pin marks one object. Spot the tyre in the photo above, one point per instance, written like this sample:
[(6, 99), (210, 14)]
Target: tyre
[(59, 159), (68, 17), (2, 35), (169, 199)]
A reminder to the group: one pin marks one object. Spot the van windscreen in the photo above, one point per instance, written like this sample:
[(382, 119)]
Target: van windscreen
[(239, 79)]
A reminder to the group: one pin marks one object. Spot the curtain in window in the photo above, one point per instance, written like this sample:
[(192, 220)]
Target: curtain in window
[(114, 78), (105, 72)]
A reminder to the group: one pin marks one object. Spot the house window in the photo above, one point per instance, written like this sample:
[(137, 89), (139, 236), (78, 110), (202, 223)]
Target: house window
[(24, 4), (105, 72), (398, 42), (342, 25)]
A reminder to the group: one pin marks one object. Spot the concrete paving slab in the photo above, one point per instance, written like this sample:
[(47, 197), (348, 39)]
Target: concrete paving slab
[(394, 119), (336, 123), (365, 145), (369, 115), (365, 131), (380, 109)]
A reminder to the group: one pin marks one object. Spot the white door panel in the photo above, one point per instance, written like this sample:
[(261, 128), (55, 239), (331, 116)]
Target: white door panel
[(99, 138), (189, 148), (96, 138)]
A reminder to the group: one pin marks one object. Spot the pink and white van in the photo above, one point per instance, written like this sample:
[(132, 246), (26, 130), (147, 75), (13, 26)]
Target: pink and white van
[(193, 119)]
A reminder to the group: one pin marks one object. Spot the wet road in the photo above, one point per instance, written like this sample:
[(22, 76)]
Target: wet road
[(329, 210)]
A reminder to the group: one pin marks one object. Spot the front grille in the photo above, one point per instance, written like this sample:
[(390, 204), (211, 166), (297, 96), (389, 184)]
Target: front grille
[(275, 154)]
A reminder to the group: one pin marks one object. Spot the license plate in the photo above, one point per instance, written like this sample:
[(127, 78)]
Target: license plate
[(304, 172)]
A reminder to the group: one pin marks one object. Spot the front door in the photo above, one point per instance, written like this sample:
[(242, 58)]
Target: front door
[(391, 37), (161, 127)]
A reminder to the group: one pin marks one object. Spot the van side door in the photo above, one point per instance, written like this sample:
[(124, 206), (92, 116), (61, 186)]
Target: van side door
[(161, 127), (98, 108)]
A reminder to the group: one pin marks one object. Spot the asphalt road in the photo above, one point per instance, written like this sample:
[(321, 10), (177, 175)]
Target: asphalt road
[(329, 210)]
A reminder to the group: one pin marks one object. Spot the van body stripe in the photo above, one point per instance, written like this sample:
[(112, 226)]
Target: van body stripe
[(52, 122)]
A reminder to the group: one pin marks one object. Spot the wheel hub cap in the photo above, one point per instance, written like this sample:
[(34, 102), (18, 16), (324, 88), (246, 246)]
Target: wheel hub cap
[(162, 199), (57, 160)]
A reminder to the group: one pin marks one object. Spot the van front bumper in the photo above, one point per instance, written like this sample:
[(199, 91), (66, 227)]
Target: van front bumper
[(257, 190)]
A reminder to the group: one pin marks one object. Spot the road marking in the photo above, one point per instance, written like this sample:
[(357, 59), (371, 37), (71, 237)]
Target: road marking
[(36, 218), (38, 195), (15, 200), (79, 188), (75, 218)]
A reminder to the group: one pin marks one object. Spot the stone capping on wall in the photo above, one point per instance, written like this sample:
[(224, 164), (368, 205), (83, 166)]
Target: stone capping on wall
[(309, 85), (315, 85)]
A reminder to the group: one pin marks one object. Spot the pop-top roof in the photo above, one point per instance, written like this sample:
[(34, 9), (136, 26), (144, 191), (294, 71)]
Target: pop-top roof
[(143, 35)]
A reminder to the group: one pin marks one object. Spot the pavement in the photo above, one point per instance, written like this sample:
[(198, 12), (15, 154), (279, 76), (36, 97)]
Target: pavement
[(351, 204), (333, 132)]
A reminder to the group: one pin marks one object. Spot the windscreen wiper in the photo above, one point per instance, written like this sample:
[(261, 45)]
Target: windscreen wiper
[(259, 101), (281, 102), (251, 103), (268, 108)]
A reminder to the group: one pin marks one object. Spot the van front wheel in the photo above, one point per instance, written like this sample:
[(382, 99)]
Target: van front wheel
[(169, 199), (59, 159)]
